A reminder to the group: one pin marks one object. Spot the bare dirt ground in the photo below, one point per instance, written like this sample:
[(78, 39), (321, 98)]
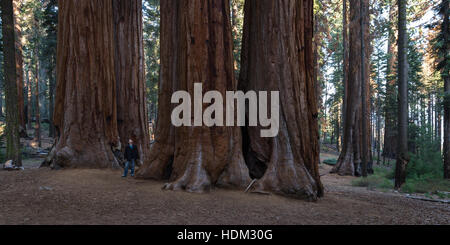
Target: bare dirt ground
[(44, 196)]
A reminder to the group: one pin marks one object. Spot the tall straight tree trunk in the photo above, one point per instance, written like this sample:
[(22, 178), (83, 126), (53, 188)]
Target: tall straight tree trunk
[(350, 157), (29, 99), (445, 29), (19, 67), (1, 90), (364, 120), (196, 47), (277, 55), (390, 134), (402, 156), (85, 106), (51, 104), (12, 115), (37, 114), (345, 61), (132, 120)]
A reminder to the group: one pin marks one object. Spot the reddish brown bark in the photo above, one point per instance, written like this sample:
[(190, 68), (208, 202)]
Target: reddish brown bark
[(196, 47), (132, 119), (402, 149), (85, 110), (19, 68), (37, 114), (13, 151), (350, 157), (277, 55), (390, 135)]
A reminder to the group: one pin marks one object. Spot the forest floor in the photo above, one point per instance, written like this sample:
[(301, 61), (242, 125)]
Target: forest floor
[(81, 196)]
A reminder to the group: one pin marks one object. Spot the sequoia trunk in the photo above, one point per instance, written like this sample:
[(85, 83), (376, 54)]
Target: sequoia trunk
[(132, 121), (350, 157), (10, 83), (85, 105), (196, 47), (445, 74), (390, 134), (277, 55), (19, 68), (402, 150)]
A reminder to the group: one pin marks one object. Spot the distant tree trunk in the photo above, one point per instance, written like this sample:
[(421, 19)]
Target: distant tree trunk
[(132, 121), (37, 114), (51, 104), (378, 130), (277, 55), (402, 156), (445, 74), (1, 90), (350, 157), (29, 94), (196, 47), (85, 105), (390, 133), (19, 68), (12, 116)]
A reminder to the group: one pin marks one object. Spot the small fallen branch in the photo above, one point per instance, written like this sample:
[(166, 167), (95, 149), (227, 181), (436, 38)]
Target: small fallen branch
[(427, 199), (250, 185)]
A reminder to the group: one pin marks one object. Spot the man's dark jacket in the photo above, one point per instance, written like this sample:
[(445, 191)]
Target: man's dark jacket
[(131, 153)]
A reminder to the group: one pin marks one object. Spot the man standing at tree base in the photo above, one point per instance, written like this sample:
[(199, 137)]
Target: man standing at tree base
[(131, 155)]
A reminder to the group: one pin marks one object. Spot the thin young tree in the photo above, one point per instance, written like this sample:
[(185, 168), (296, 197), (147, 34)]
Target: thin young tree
[(12, 117), (402, 151)]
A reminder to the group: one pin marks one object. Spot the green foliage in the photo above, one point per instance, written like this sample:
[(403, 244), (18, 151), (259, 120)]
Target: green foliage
[(151, 33), (381, 178), (424, 175)]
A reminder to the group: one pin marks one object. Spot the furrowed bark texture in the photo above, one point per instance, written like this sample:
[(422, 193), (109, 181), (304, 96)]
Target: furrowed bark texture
[(277, 55), (390, 135), (85, 113), (350, 157), (19, 68), (402, 150), (12, 118), (129, 70), (196, 47)]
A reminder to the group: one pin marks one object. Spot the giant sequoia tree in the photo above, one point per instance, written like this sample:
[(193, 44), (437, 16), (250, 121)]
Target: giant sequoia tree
[(129, 71), (277, 55), (19, 68), (196, 47), (10, 83), (390, 134), (85, 114), (402, 150), (100, 92), (351, 155)]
